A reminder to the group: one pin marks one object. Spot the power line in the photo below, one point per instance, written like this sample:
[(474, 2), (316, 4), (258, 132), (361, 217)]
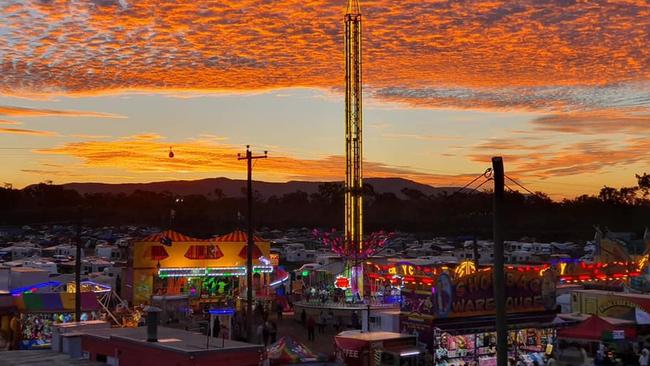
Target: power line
[(480, 185), (487, 174), (517, 183)]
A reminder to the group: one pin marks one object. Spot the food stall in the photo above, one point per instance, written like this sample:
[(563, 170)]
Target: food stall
[(210, 272)]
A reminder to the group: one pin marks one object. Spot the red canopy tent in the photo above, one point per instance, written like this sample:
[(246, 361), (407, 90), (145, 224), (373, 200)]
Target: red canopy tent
[(595, 328)]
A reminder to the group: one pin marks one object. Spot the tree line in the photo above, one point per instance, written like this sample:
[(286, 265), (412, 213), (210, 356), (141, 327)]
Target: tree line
[(451, 214)]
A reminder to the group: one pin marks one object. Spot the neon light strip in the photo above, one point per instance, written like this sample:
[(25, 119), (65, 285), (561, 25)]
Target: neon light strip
[(104, 288), (272, 284), (224, 311), (211, 271), (411, 353), (262, 269), (20, 290)]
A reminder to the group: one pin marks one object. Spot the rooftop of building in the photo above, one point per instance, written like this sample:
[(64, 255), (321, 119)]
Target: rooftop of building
[(45, 357), (617, 294), (372, 336), (171, 339)]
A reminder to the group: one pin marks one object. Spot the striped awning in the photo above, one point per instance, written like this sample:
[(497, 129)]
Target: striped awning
[(236, 236), (172, 235), (243, 253)]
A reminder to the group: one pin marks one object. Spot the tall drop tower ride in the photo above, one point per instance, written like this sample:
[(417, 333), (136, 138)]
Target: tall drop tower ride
[(353, 145)]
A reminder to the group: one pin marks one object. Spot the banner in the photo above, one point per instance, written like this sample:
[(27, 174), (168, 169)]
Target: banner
[(471, 295)]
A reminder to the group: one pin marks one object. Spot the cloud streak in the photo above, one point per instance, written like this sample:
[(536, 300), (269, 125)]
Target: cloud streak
[(36, 112), (20, 131)]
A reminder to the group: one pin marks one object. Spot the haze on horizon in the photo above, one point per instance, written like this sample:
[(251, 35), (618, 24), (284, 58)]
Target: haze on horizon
[(99, 90)]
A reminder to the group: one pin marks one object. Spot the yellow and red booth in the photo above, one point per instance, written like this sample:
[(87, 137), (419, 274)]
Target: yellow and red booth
[(170, 263)]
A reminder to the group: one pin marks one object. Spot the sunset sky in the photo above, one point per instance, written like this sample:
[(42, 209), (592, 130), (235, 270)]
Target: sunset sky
[(98, 90)]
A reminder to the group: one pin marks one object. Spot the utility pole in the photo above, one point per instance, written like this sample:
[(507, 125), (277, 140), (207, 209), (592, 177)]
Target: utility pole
[(77, 269), (250, 241), (499, 272), (476, 254)]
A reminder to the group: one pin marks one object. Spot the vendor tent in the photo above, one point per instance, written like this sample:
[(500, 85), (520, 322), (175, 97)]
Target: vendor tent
[(289, 351), (55, 302), (596, 328)]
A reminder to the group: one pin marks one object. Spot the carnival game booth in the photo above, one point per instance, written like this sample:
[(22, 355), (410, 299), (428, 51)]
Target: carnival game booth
[(40, 311), (208, 272), (451, 310)]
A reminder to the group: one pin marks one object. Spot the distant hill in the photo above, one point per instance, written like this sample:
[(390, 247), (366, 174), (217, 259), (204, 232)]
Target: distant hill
[(233, 187)]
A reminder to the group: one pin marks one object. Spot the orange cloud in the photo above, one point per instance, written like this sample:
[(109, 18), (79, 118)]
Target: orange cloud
[(603, 122), (20, 131), (8, 122), (34, 112), (500, 144), (89, 137), (151, 156), (572, 159), (553, 55)]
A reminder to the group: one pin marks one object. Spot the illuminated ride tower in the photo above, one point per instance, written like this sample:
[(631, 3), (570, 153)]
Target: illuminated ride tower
[(353, 146)]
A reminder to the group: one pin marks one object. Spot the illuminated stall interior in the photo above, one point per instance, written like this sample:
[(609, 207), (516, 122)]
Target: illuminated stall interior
[(211, 271)]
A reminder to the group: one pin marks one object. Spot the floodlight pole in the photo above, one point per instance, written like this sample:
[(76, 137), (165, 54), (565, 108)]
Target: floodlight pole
[(250, 240)]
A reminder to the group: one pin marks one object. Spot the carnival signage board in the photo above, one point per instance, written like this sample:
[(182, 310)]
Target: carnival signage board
[(473, 294)]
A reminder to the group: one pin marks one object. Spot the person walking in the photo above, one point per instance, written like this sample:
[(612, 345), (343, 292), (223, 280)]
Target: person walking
[(260, 333), (644, 358), (303, 317), (355, 320), (322, 320), (278, 310), (266, 332), (273, 332), (337, 324), (216, 327), (311, 327), (330, 318)]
